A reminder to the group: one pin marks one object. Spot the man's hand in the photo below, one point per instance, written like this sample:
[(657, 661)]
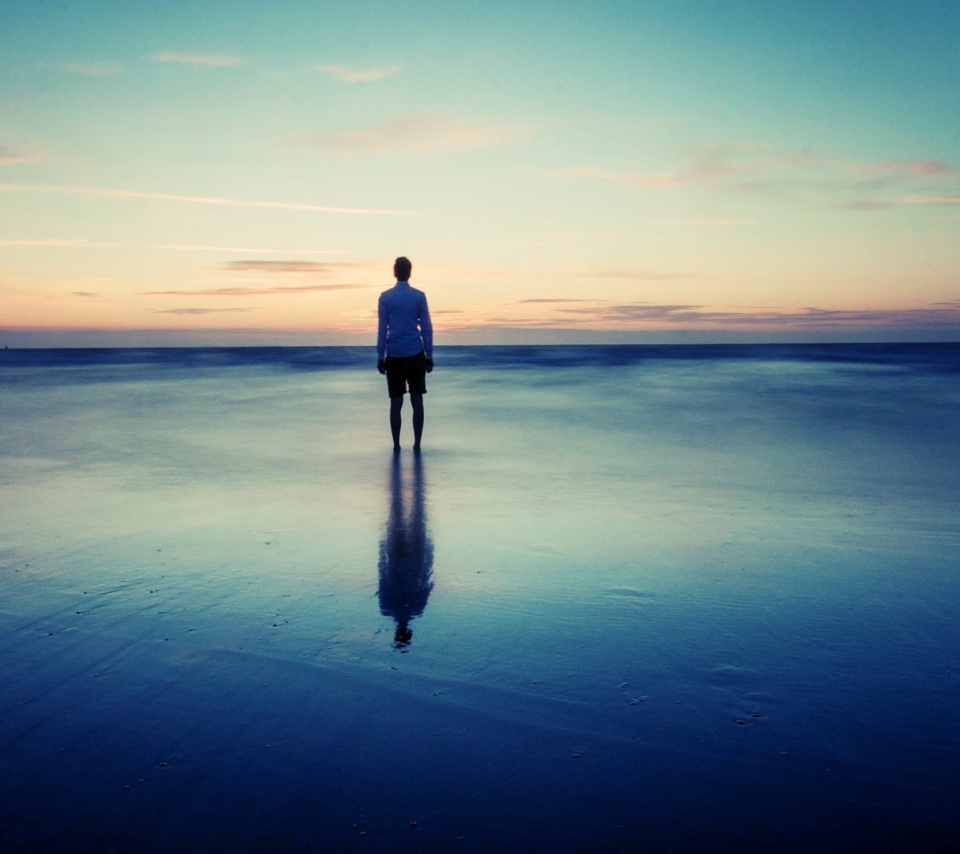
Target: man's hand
[(381, 366), (429, 365)]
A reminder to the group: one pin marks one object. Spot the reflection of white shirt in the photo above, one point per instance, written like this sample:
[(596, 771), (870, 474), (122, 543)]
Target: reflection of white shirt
[(405, 327)]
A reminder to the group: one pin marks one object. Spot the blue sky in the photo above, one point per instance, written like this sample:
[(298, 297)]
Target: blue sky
[(215, 172)]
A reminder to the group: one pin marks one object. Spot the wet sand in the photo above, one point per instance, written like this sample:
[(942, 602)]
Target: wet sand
[(679, 600)]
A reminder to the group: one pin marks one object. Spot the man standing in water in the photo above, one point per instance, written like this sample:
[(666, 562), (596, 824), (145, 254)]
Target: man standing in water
[(404, 348)]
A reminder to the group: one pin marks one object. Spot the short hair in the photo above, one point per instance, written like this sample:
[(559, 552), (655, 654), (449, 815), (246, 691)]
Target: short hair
[(402, 268)]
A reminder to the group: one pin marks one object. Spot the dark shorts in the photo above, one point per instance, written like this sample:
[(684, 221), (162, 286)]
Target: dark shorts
[(406, 370)]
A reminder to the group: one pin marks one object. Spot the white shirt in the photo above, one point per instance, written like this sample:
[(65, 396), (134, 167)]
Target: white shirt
[(405, 328)]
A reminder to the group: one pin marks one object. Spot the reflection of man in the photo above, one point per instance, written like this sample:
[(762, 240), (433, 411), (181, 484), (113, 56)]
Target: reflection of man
[(404, 348), (406, 554)]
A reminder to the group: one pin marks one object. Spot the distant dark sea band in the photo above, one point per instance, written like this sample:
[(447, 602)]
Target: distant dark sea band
[(924, 357)]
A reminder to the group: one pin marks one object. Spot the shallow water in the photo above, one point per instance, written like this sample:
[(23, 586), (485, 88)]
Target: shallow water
[(699, 597)]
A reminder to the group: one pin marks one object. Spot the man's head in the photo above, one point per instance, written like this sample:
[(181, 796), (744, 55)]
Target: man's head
[(402, 268)]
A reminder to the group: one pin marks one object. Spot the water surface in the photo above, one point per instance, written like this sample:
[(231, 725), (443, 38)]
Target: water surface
[(699, 597)]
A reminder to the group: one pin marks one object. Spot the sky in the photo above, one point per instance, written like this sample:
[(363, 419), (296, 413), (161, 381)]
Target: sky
[(220, 173)]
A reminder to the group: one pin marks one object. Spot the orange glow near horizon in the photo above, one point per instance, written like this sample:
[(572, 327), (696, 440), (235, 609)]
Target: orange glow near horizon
[(638, 188)]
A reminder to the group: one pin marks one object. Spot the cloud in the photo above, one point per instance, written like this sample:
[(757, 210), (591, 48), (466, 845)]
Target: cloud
[(637, 312), (631, 179), (85, 294), (735, 161), (70, 242), (551, 300), (694, 222), (195, 247), (200, 310), (414, 134), (640, 315), (933, 200), (718, 164), (315, 268), (206, 60), (893, 177), (8, 156), (641, 274), (84, 243), (104, 192), (93, 69), (257, 292), (905, 169), (871, 205), (760, 169), (353, 74)]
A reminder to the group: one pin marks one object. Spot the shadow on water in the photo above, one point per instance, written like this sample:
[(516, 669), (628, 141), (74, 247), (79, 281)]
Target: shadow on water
[(406, 551)]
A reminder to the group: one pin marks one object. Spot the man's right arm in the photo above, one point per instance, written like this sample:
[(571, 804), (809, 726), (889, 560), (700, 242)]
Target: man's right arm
[(381, 332), (426, 331)]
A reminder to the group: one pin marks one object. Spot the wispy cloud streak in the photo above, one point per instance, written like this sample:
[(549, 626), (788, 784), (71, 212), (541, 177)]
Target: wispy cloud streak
[(189, 311), (104, 192), (353, 74), (205, 60), (84, 243), (8, 156), (46, 242), (315, 268), (252, 292), (698, 222), (641, 180), (416, 134), (903, 169), (93, 69), (933, 200), (635, 275), (548, 300), (647, 315), (758, 168), (870, 205), (197, 247)]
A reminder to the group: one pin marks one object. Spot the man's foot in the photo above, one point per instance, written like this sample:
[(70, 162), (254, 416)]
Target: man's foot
[(396, 449), (416, 449)]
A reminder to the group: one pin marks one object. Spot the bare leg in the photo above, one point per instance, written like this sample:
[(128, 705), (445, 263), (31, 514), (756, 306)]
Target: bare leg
[(396, 404), (416, 400)]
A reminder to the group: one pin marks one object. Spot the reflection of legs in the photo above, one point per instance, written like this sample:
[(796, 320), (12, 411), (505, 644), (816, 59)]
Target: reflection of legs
[(396, 404), (416, 400)]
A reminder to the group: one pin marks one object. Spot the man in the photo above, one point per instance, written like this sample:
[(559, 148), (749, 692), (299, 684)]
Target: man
[(404, 348)]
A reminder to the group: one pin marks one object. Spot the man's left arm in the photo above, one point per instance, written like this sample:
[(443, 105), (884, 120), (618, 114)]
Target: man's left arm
[(381, 336), (426, 332)]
